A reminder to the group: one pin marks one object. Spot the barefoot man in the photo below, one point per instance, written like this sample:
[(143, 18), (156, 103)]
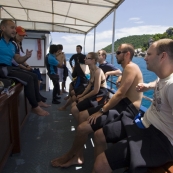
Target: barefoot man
[(29, 79)]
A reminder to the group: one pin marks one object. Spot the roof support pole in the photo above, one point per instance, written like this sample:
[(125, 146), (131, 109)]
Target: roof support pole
[(84, 44), (113, 39), (94, 39)]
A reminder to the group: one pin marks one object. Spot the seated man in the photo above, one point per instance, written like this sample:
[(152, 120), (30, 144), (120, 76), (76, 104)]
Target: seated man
[(126, 99), (146, 141), (20, 34), (29, 79), (108, 69)]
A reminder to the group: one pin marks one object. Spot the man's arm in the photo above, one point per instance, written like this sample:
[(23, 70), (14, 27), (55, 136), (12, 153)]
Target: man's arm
[(142, 87), (71, 59), (126, 82), (21, 59), (64, 59), (113, 73)]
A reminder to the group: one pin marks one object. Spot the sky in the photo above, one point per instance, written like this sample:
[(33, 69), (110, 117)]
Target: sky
[(133, 17)]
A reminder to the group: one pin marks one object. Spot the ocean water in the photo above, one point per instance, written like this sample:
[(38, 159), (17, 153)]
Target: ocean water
[(147, 75)]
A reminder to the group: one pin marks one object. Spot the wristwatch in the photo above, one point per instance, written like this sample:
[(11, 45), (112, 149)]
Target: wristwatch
[(101, 110)]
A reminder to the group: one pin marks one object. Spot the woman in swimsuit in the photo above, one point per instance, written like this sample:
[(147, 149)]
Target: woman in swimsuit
[(95, 93)]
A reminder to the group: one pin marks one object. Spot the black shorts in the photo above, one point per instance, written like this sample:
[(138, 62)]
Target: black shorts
[(118, 155), (79, 90), (83, 105), (92, 101), (125, 106), (147, 148)]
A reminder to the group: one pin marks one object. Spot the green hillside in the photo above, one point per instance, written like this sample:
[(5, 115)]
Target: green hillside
[(138, 41)]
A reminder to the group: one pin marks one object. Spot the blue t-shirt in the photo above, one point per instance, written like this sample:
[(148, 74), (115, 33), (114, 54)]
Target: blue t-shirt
[(53, 62), (7, 51)]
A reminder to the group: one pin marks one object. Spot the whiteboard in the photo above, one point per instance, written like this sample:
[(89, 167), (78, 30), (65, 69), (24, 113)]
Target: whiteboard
[(31, 44)]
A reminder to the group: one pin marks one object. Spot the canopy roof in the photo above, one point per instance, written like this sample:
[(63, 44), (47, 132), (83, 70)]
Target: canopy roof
[(71, 16)]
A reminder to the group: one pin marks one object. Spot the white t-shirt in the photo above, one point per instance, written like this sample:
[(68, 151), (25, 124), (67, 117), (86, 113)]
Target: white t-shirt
[(160, 113)]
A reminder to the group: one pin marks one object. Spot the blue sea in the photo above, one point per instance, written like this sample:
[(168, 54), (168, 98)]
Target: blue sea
[(147, 75)]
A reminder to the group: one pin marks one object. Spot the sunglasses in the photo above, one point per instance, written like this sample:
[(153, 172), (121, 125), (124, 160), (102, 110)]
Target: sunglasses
[(88, 58), (119, 52)]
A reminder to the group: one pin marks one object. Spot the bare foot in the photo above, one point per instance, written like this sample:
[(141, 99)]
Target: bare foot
[(73, 161), (42, 104), (64, 91), (61, 160), (66, 98), (62, 108), (39, 111)]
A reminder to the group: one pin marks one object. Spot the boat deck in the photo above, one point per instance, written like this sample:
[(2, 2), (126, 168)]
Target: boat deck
[(45, 138)]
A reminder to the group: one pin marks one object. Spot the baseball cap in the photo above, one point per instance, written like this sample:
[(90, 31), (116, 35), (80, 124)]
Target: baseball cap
[(20, 31)]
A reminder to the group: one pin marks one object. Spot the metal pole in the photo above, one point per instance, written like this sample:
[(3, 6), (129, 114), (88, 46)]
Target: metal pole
[(94, 39), (84, 44), (113, 39)]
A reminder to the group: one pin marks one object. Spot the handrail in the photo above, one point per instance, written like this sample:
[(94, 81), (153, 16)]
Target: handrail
[(144, 97)]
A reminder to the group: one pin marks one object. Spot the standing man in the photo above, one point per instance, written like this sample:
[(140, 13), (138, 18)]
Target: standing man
[(8, 51), (52, 63), (146, 141), (75, 57)]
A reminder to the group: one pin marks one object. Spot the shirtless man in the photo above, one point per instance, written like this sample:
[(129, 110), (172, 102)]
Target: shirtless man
[(126, 99), (147, 141), (62, 60)]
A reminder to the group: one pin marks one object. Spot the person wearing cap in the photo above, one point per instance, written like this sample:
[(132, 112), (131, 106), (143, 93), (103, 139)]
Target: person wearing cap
[(9, 51), (20, 34)]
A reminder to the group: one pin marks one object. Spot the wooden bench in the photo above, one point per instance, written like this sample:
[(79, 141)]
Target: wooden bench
[(14, 110)]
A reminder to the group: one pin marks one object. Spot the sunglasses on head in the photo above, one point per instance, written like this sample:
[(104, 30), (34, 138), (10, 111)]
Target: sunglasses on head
[(87, 58), (119, 52)]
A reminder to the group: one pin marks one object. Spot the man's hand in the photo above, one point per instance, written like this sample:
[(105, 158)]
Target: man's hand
[(78, 96), (142, 87), (81, 99), (28, 68), (118, 82), (28, 53), (92, 119)]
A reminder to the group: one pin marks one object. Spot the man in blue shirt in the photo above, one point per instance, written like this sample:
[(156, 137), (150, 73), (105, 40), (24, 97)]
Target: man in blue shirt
[(52, 64), (8, 52)]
